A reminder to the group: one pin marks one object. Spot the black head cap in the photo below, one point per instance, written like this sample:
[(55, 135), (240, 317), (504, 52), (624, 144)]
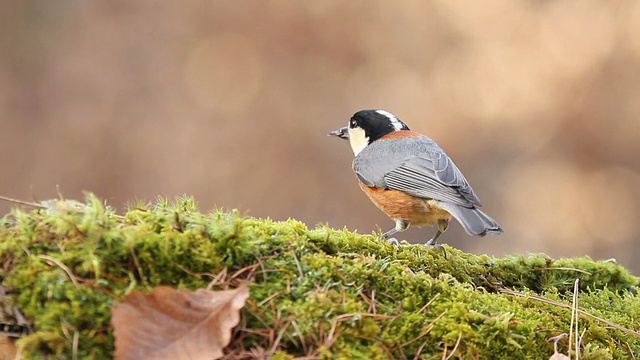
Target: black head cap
[(376, 123)]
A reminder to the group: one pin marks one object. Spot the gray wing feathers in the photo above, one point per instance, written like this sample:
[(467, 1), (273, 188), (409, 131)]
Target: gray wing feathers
[(474, 221), (417, 166), (416, 177)]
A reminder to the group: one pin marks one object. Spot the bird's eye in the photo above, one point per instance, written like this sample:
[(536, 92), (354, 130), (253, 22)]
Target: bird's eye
[(352, 124)]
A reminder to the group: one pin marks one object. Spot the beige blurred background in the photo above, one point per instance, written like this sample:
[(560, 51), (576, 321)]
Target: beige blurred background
[(538, 102)]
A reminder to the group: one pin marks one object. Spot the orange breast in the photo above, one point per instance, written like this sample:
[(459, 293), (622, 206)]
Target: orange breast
[(402, 206)]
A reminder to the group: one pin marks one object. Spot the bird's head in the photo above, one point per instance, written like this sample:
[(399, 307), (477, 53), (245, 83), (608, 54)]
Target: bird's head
[(367, 126)]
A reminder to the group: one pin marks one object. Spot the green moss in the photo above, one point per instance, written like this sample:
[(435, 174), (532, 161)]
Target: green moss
[(319, 292)]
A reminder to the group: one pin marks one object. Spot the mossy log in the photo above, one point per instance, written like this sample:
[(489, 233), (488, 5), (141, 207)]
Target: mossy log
[(315, 293)]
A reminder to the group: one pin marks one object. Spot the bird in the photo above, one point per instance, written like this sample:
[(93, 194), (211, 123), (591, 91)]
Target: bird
[(410, 178)]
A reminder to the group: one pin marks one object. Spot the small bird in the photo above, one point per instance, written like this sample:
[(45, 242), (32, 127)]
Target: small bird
[(409, 177)]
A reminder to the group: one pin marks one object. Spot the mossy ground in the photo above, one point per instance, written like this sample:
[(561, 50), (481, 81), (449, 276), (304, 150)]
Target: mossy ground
[(320, 293)]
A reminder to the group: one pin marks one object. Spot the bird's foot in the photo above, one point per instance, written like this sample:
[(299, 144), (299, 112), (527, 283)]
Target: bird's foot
[(393, 241), (434, 245)]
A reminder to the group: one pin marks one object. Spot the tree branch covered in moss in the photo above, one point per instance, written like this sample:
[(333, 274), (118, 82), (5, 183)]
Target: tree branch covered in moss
[(314, 292)]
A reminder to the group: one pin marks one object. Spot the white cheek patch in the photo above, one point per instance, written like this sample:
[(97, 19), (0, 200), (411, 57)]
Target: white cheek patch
[(358, 140), (395, 122)]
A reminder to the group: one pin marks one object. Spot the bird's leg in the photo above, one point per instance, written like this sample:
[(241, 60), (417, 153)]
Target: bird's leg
[(443, 224), (401, 225)]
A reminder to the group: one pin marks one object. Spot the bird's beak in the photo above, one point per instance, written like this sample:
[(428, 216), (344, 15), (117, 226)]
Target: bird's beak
[(342, 133)]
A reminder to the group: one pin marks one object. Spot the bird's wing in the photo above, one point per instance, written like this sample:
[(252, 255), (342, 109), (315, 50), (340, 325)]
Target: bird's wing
[(417, 166)]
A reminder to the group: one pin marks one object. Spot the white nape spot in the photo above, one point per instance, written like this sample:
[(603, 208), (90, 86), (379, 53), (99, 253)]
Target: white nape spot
[(358, 140), (397, 124)]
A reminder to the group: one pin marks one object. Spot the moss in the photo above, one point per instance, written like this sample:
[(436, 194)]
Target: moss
[(320, 292)]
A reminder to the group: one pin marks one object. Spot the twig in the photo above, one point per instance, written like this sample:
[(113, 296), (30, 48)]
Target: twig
[(76, 341), (298, 264), (455, 347), (274, 347), (437, 295), (630, 351), (21, 202), (584, 313), (136, 261), (250, 268), (417, 357), (426, 331), (574, 317), (565, 268), (373, 301), (575, 310), (297, 328), (271, 297), (62, 266)]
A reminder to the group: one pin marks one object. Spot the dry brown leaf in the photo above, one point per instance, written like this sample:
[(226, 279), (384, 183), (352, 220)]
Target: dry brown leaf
[(171, 324)]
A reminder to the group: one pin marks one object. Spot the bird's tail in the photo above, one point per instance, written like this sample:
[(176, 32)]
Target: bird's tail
[(474, 221)]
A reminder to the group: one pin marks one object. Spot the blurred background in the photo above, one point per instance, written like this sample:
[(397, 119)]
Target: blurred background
[(538, 102)]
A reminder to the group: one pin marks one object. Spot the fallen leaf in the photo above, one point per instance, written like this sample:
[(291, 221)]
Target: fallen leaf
[(171, 324)]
